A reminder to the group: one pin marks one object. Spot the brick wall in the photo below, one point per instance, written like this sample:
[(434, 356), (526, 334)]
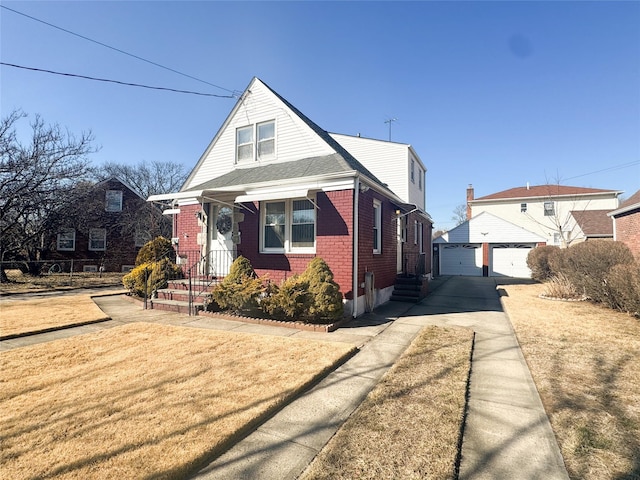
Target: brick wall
[(186, 229), (628, 231)]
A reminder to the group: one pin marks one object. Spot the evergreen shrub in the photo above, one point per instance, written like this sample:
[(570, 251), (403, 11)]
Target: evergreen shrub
[(155, 250), (290, 301), (156, 275), (240, 290)]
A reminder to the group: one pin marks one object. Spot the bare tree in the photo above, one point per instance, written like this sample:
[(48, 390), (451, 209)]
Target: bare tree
[(147, 178), (36, 183), (460, 214)]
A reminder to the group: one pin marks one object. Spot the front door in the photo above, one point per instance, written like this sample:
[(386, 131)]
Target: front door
[(220, 244)]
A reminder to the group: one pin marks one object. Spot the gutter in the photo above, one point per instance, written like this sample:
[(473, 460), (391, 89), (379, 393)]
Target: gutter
[(356, 207)]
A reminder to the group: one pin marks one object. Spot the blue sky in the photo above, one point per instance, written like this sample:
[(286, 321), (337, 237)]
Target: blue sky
[(494, 94)]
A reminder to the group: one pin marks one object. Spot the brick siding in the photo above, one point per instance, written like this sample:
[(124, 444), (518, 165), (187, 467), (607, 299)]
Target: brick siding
[(628, 231)]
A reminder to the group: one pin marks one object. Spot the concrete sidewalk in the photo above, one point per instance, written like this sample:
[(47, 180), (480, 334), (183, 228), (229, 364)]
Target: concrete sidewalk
[(507, 433)]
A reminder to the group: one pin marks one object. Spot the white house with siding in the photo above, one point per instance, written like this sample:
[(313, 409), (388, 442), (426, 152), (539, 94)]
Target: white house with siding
[(485, 246), (397, 163), (546, 210)]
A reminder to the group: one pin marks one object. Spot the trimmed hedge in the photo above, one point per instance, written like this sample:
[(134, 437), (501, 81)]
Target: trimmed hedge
[(155, 274), (240, 290), (539, 262), (155, 250)]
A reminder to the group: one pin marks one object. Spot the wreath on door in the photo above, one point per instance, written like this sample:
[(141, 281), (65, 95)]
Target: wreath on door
[(224, 221)]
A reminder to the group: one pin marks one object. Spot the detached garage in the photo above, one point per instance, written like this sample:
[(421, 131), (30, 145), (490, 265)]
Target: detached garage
[(485, 246)]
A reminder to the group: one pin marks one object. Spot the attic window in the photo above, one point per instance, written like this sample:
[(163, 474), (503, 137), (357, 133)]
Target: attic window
[(244, 142), (256, 142), (113, 201), (523, 208), (266, 140)]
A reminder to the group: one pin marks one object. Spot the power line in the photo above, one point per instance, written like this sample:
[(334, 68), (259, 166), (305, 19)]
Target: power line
[(118, 50), (115, 81), (608, 169)]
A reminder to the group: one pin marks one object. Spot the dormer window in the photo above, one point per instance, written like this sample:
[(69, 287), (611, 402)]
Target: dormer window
[(256, 142)]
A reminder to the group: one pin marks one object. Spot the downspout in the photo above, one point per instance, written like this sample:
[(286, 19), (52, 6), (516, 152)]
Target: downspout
[(356, 197)]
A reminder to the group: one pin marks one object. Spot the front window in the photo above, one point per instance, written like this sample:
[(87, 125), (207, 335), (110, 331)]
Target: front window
[(66, 240), (289, 226), (377, 227), (274, 224), (549, 209), (113, 201), (244, 142), (97, 239), (266, 140), (303, 224)]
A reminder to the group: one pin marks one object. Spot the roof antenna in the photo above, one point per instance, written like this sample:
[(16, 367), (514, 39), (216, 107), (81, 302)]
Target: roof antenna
[(390, 121)]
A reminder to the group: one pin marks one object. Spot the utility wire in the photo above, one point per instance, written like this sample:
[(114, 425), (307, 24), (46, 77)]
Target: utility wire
[(608, 169), (115, 81), (233, 92)]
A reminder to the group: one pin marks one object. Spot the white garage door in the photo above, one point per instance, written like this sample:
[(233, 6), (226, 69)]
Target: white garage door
[(510, 260), (461, 259)]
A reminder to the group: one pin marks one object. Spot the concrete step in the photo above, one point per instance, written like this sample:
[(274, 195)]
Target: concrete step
[(175, 305), (182, 295)]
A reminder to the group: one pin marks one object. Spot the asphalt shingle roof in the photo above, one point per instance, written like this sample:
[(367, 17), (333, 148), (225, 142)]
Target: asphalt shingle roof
[(594, 222), (542, 191)]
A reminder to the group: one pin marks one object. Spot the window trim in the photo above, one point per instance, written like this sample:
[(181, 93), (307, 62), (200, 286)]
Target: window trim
[(90, 247), (115, 195), (288, 227), (73, 240), (377, 227), (254, 128), (258, 140), (549, 209)]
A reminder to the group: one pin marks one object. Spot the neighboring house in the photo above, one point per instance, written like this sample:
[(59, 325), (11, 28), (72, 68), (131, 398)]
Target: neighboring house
[(626, 223), (485, 246), (552, 211), (591, 225), (276, 188), (108, 225)]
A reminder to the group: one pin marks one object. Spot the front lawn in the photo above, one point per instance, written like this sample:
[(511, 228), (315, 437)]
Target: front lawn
[(144, 400), (585, 360), (22, 315)]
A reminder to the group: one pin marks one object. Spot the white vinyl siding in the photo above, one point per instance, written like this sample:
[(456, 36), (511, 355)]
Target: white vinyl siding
[(294, 138)]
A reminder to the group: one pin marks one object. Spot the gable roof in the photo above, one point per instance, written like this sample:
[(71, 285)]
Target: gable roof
[(632, 203), (347, 161), (487, 228), (122, 182), (594, 223), (544, 191)]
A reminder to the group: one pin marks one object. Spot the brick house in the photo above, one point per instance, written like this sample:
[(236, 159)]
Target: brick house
[(108, 229), (626, 223), (276, 188)]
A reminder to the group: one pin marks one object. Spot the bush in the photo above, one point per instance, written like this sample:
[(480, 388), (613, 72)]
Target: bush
[(240, 290), (327, 300), (587, 265), (292, 300), (538, 262), (155, 250), (623, 283), (156, 274), (559, 286)]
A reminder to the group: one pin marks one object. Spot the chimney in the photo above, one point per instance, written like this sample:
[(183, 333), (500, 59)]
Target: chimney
[(469, 198)]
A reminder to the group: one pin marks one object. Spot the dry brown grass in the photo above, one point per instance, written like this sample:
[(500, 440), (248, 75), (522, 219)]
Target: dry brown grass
[(143, 400), (20, 282), (585, 360), (408, 427), (22, 315)]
